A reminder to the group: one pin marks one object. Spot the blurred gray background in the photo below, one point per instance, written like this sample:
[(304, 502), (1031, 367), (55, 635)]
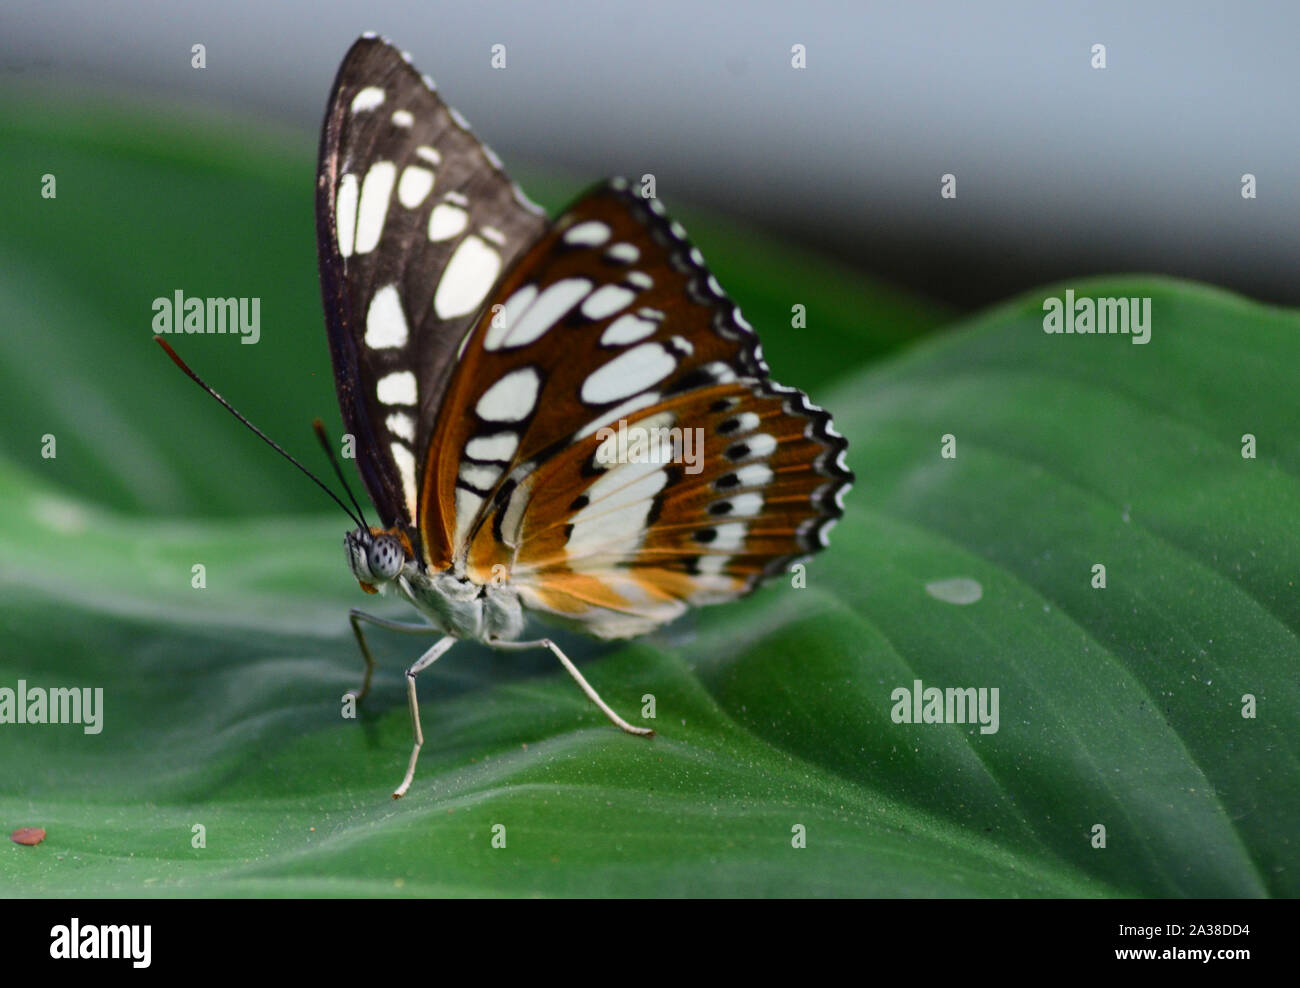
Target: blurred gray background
[(1062, 169)]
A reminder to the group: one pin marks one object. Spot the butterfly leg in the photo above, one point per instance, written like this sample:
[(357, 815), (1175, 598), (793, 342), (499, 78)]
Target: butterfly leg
[(356, 616), (424, 661), (592, 695)]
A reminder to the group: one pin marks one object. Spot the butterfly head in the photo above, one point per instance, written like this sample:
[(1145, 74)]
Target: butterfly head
[(377, 557)]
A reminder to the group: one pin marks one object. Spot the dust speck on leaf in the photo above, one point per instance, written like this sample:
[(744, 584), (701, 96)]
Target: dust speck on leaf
[(958, 590)]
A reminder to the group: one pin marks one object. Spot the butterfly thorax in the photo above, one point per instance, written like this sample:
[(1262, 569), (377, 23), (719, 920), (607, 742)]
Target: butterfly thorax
[(383, 563)]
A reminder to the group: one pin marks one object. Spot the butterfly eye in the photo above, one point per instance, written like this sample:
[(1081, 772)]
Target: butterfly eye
[(386, 557)]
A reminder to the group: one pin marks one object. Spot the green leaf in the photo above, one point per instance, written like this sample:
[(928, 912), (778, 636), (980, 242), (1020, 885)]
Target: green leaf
[(1119, 706)]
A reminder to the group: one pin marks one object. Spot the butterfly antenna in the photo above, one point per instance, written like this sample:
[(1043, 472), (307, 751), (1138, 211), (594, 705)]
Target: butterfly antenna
[(319, 428), (255, 430)]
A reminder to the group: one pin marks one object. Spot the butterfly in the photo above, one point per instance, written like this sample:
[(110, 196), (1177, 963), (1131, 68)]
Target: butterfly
[(502, 377)]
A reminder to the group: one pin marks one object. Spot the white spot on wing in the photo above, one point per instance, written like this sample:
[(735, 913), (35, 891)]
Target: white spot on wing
[(429, 154), (629, 372), (401, 424), (467, 505), (524, 319), (479, 477), (745, 505), (747, 422), (375, 193), (406, 470), (511, 398), (415, 184), (367, 99), (499, 446), (730, 537), (501, 322), (627, 329), (385, 320), (345, 213), (593, 233), (465, 282), (402, 118), (606, 301), (626, 253), (397, 388), (721, 373), (754, 475), (759, 446), (446, 222)]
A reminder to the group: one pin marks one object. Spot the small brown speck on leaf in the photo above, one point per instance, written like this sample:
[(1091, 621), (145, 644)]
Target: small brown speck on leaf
[(30, 836)]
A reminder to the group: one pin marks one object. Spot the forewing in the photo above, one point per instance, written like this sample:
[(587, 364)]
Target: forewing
[(415, 223)]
